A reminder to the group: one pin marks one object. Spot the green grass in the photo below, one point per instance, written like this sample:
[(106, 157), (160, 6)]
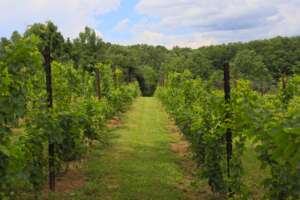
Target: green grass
[(139, 164), (254, 174)]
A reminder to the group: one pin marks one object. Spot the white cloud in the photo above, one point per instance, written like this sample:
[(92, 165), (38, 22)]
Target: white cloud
[(289, 19), (149, 37), (71, 16), (221, 20), (121, 25), (207, 15), (190, 23), (193, 40)]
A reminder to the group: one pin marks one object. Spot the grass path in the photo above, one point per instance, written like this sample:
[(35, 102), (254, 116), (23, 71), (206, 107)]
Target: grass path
[(140, 164)]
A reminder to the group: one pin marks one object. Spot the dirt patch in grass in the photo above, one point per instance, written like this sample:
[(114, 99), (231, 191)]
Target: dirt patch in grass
[(70, 181), (74, 178), (112, 183), (114, 123), (192, 186), (181, 148)]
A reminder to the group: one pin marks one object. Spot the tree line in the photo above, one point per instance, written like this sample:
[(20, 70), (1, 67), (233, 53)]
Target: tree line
[(263, 61)]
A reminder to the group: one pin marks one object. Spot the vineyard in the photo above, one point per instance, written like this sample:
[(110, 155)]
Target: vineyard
[(221, 125), (60, 122), (237, 108)]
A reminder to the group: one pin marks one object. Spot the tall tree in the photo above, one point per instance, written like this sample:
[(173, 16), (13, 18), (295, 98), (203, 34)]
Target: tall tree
[(90, 49), (248, 65), (199, 64)]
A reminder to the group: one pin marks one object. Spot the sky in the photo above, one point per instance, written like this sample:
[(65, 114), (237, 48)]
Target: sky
[(184, 23)]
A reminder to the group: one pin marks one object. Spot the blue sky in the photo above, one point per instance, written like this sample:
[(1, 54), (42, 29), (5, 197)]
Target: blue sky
[(185, 23), (109, 22)]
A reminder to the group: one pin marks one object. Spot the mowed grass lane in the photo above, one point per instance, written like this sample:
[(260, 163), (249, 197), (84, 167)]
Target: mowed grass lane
[(140, 163)]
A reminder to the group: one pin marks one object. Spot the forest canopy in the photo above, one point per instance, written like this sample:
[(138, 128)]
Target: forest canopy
[(265, 62)]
